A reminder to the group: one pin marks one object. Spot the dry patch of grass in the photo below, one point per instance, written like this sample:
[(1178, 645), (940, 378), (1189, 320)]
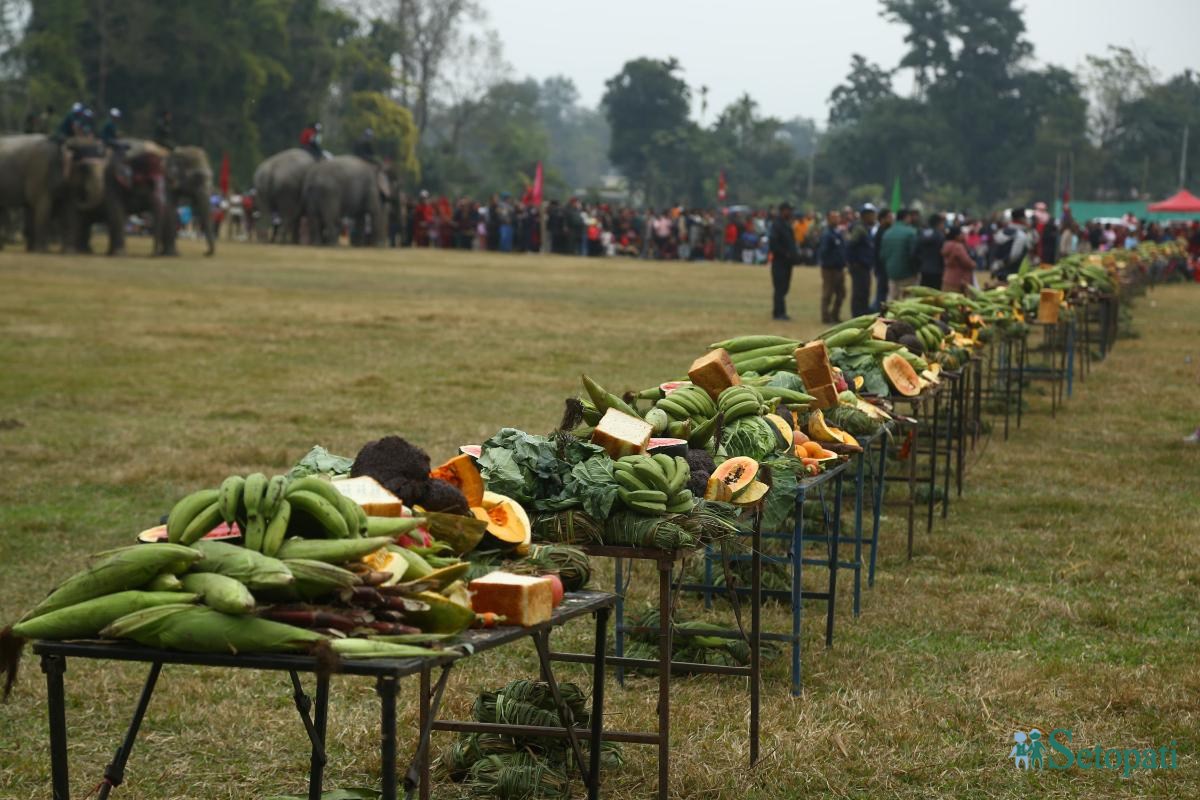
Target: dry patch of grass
[(1062, 591)]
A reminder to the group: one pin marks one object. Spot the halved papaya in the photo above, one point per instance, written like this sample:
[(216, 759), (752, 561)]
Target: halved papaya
[(901, 375), (506, 520), (461, 473), (717, 490), (736, 473)]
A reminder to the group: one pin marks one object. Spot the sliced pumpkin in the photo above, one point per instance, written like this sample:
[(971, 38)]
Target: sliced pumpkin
[(443, 615), (461, 473), (385, 560), (818, 430), (736, 473), (506, 521), (783, 431), (901, 375), (756, 491), (717, 490)]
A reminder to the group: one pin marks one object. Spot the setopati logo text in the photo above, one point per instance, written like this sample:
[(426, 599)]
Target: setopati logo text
[(1035, 750)]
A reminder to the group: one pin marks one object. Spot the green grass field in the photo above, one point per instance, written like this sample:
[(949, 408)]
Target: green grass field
[(1061, 593)]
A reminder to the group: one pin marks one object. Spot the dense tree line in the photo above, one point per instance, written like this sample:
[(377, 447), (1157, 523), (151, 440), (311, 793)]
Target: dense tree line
[(983, 126)]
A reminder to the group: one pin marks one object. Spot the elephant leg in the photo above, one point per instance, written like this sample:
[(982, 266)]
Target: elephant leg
[(114, 218), (39, 223), (204, 216)]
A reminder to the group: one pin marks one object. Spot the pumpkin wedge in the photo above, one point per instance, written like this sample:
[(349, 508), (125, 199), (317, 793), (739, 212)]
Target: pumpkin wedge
[(506, 521), (461, 473)]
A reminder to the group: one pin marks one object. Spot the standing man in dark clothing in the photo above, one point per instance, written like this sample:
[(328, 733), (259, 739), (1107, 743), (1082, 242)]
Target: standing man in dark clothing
[(881, 276), (783, 257), (1049, 243), (831, 255), (860, 260), (929, 251)]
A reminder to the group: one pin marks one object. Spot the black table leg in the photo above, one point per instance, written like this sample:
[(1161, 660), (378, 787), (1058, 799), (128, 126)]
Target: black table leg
[(596, 739), (666, 631), (114, 773), (835, 535), (417, 776), (316, 774), (755, 633), (933, 453), (386, 687), (54, 667)]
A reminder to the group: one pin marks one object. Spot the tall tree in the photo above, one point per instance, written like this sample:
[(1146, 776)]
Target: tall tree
[(646, 104), (1114, 81), (866, 84), (429, 30)]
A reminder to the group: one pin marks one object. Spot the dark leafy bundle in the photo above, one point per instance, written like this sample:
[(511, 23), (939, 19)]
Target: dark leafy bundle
[(694, 641), (628, 529), (711, 521), (518, 776), (462, 755), (567, 527), (849, 418)]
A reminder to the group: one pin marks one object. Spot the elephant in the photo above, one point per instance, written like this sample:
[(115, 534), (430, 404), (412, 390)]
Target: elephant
[(279, 187), (347, 187), (51, 182), (189, 181), (135, 182)]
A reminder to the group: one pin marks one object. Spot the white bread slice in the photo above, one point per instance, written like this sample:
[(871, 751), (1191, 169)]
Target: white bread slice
[(375, 500), (812, 362), (621, 435), (521, 599), (714, 372)]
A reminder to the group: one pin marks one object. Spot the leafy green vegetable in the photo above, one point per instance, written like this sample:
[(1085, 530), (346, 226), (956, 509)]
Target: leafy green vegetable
[(592, 483), (787, 380), (780, 503), (531, 469), (750, 436), (320, 461)]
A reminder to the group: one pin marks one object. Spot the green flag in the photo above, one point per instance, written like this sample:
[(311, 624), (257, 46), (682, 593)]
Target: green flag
[(896, 195)]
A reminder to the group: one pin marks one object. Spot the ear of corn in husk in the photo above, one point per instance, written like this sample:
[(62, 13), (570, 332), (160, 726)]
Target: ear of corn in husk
[(88, 618), (253, 569), (374, 648), (116, 571), (318, 579), (221, 592), (331, 551), (163, 582), (197, 629)]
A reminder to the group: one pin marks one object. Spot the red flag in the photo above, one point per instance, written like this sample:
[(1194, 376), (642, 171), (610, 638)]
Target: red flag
[(721, 186), (225, 174), (536, 191)]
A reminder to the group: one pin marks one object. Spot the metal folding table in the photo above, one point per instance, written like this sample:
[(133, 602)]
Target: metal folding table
[(387, 674)]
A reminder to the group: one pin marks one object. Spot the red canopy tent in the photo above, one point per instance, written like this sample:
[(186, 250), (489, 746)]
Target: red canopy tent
[(1182, 201)]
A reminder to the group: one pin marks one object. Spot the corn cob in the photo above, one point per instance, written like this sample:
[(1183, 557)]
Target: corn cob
[(253, 569), (333, 551), (116, 571), (316, 579), (88, 618), (198, 629), (373, 648), (163, 582), (220, 592)]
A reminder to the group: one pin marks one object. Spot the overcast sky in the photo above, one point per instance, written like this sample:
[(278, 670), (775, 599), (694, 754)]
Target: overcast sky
[(789, 54)]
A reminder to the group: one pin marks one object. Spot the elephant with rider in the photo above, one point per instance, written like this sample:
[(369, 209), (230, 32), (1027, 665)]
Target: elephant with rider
[(279, 192), (348, 187), (52, 183)]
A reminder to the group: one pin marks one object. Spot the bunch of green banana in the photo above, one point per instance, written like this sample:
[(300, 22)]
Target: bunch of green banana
[(931, 336), (338, 515), (688, 402), (654, 484), (740, 401)]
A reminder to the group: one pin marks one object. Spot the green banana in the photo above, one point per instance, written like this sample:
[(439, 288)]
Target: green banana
[(318, 486), (230, 495), (702, 433), (202, 523), (187, 509), (256, 531), (683, 472), (605, 399), (272, 496), (628, 481), (666, 464), (252, 493), (325, 513), (681, 503), (276, 529), (642, 496), (651, 509), (746, 408), (674, 408), (651, 475)]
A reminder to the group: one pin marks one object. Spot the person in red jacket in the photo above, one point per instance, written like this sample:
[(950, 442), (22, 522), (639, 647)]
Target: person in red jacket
[(958, 270), (310, 140)]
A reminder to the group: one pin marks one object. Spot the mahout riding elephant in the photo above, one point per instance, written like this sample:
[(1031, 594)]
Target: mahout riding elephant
[(279, 192), (51, 182), (348, 187)]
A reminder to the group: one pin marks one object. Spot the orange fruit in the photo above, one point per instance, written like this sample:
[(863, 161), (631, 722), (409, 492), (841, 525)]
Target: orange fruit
[(826, 454), (814, 449), (808, 462), (799, 437)]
